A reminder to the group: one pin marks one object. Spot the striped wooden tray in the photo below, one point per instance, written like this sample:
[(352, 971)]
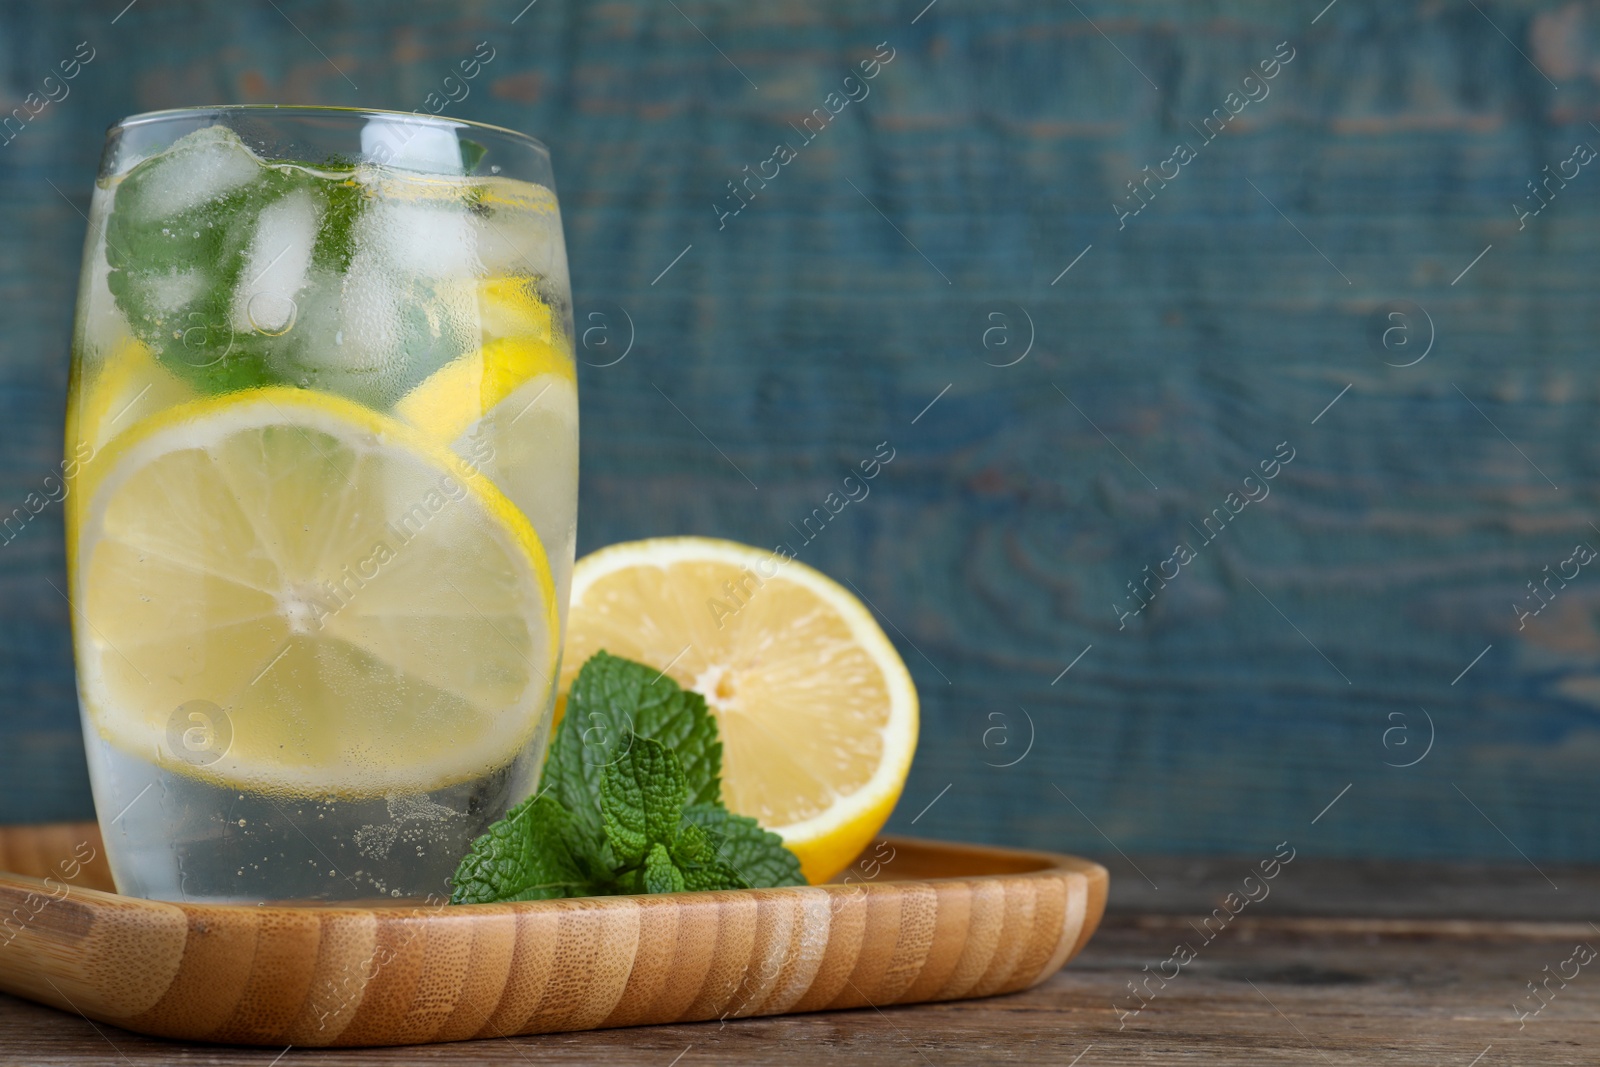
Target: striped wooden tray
[(939, 922)]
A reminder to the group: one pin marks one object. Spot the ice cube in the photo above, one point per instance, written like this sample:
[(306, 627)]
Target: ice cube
[(370, 315), (172, 291), (411, 144), (196, 170), (508, 244), (396, 327), (103, 322), (433, 237), (276, 264), (520, 233)]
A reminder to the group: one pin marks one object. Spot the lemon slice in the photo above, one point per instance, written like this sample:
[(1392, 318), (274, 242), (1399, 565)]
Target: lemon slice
[(511, 412), (369, 613), (818, 715), (449, 400), (508, 307), (521, 343), (128, 386)]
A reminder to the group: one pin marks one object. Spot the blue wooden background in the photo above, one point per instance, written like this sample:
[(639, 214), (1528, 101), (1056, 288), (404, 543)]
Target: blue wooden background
[(1362, 214)]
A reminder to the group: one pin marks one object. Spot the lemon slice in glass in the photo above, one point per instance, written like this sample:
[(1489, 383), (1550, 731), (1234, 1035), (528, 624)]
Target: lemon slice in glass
[(449, 400), (510, 410), (371, 614), (817, 713), (126, 386)]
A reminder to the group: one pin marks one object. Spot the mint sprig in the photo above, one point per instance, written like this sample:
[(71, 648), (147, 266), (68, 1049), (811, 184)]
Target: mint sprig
[(533, 853), (631, 803), (758, 855), (611, 700), (641, 801)]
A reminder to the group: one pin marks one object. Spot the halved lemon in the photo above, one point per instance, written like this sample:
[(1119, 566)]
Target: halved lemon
[(817, 712), (370, 613)]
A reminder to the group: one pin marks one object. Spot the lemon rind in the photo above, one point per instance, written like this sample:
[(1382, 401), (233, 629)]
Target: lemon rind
[(888, 779), (93, 690)]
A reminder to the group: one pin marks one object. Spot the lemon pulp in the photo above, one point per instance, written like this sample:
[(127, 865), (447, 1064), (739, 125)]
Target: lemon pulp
[(510, 410), (369, 612), (817, 713)]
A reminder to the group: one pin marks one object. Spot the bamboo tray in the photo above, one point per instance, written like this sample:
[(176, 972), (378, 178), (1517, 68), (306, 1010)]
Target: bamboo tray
[(939, 922)]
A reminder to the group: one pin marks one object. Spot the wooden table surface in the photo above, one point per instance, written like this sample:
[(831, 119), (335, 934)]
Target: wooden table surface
[(911, 251), (1360, 964)]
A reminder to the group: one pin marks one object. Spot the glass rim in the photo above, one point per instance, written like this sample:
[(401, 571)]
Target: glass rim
[(441, 121)]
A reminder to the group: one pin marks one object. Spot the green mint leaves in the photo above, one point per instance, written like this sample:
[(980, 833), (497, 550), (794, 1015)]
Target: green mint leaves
[(656, 849), (758, 855), (239, 272), (641, 801), (630, 803), (611, 700), (533, 853), (178, 239)]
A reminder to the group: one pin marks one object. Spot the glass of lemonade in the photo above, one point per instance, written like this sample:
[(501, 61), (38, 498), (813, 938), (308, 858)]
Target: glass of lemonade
[(322, 442)]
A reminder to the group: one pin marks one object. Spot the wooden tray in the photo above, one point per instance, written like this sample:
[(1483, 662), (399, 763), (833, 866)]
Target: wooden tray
[(938, 922)]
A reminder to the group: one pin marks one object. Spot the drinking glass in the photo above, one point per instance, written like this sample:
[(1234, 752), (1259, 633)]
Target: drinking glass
[(322, 444)]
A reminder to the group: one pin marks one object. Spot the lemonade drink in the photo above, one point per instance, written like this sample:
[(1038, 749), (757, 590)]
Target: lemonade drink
[(323, 422)]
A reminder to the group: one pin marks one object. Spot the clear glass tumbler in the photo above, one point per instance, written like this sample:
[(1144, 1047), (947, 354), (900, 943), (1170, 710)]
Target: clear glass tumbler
[(322, 440)]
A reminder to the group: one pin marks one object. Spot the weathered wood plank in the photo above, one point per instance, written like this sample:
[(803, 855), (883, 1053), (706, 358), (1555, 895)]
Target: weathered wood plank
[(1270, 991), (1197, 337)]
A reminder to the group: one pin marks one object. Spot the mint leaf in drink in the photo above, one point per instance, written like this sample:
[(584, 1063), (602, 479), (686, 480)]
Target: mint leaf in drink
[(612, 699), (178, 239), (533, 853), (472, 154), (641, 800), (336, 241), (239, 271), (757, 856)]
